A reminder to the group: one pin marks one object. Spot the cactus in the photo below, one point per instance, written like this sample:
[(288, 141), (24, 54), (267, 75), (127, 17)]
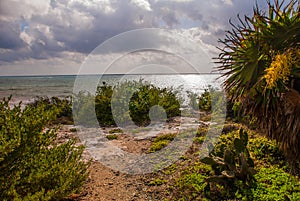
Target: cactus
[(235, 164)]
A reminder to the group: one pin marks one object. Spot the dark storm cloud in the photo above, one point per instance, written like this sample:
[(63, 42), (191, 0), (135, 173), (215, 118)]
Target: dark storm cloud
[(55, 27), (9, 36), (63, 20)]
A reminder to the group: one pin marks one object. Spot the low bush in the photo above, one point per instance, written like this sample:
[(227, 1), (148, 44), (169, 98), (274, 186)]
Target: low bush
[(233, 166), (205, 101), (211, 100), (83, 108), (274, 184), (124, 103), (112, 136), (103, 100), (32, 165), (160, 142), (148, 96), (157, 182), (191, 184), (62, 105), (266, 152), (116, 130), (73, 130)]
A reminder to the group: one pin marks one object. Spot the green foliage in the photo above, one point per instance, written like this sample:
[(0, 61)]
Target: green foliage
[(148, 96), (62, 105), (250, 47), (160, 142), (73, 130), (202, 131), (168, 136), (193, 100), (157, 182), (125, 102), (116, 130), (205, 101), (235, 164), (83, 107), (32, 165), (266, 152), (170, 169), (156, 146), (211, 100), (193, 185), (271, 184), (112, 137), (192, 182), (103, 105), (275, 184), (199, 140), (214, 179), (261, 63)]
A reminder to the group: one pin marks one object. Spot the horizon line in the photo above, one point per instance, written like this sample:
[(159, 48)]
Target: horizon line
[(95, 74)]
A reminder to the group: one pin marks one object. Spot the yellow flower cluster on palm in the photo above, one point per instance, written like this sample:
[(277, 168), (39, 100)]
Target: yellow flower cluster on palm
[(280, 69)]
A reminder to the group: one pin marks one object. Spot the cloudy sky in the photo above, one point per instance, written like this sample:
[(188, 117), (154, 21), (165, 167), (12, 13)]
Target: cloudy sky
[(56, 36)]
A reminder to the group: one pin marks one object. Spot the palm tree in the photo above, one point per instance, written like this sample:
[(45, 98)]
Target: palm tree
[(260, 59)]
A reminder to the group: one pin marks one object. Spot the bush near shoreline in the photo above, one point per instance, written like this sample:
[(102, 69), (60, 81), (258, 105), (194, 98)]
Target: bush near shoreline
[(32, 165), (128, 102)]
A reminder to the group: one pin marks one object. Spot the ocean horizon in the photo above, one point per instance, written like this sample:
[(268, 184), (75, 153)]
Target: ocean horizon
[(28, 87)]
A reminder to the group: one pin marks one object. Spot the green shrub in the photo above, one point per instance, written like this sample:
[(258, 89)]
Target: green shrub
[(148, 96), (275, 184), (211, 100), (112, 137), (199, 140), (205, 101), (83, 107), (160, 142), (32, 165), (266, 151), (168, 136), (73, 130), (116, 130), (234, 164), (63, 106), (132, 101), (193, 185), (192, 182), (193, 100), (157, 182), (156, 146), (103, 105), (270, 184)]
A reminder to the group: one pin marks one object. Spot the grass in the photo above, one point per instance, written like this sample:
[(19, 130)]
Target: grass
[(157, 182), (160, 142)]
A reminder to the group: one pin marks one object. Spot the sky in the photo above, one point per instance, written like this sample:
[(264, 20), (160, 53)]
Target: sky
[(56, 36)]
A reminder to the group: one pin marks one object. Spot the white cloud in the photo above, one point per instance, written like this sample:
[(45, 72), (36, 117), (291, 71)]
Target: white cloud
[(144, 4), (228, 2), (14, 9), (26, 38)]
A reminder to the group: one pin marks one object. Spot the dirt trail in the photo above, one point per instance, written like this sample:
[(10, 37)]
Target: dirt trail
[(105, 184)]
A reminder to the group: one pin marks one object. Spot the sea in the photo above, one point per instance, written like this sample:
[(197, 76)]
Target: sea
[(28, 88)]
